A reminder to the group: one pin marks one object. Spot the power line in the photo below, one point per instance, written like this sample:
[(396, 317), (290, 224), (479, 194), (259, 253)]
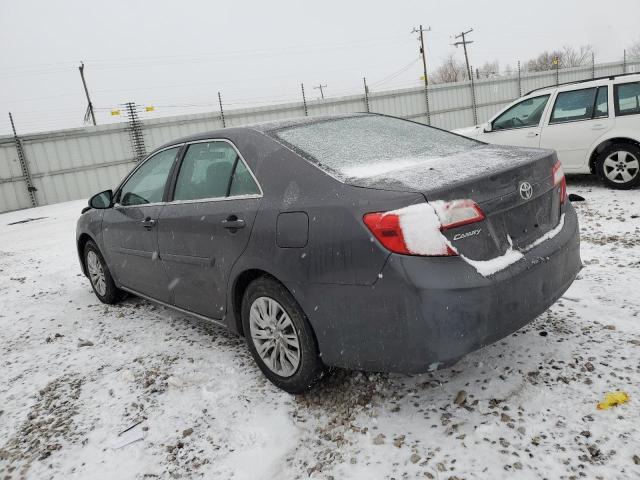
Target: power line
[(396, 73)]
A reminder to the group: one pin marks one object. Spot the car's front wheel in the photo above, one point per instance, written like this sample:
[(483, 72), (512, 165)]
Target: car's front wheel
[(279, 336), (99, 275), (619, 166)]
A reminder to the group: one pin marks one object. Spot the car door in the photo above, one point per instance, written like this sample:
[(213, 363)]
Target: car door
[(130, 230), (519, 125), (206, 226), (578, 119)]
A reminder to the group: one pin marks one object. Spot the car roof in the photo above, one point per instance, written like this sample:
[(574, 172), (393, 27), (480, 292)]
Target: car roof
[(262, 127), (551, 88)]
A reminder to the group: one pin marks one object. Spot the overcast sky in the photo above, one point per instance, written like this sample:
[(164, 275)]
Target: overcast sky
[(176, 55)]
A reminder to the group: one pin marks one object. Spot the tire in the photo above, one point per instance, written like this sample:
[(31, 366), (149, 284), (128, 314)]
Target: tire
[(100, 276), (273, 323), (619, 166)]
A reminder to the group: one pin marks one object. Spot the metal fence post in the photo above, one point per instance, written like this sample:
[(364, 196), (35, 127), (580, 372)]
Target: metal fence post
[(224, 124), (24, 165), (135, 132), (519, 80), (304, 101), (473, 101), (366, 94)]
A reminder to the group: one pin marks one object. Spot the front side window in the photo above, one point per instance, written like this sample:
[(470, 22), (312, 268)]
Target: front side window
[(213, 170), (524, 114), (147, 184), (627, 98), (574, 105)]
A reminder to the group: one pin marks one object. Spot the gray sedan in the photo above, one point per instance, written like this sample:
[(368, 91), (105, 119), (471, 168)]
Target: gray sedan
[(358, 241)]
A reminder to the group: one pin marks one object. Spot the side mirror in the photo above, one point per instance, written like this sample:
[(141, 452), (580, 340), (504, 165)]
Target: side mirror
[(487, 127), (102, 200)]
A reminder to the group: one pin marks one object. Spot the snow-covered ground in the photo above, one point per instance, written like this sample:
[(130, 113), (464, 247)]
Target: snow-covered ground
[(75, 373)]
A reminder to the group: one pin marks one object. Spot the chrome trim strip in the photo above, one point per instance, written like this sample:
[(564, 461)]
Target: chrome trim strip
[(154, 204), (214, 199), (173, 307)]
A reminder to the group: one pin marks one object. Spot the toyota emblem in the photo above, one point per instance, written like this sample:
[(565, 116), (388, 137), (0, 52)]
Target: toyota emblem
[(526, 190)]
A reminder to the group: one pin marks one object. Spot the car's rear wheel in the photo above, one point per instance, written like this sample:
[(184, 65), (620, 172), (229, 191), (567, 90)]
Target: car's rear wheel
[(280, 337), (99, 275), (619, 166)]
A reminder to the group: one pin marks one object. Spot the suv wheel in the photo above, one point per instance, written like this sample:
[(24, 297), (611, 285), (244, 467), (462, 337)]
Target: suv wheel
[(279, 336), (99, 275), (619, 166)]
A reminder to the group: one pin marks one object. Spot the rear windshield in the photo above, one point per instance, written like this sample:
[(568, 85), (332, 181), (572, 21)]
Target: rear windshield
[(367, 146)]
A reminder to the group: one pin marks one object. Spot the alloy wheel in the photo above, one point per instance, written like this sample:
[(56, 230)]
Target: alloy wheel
[(274, 336), (96, 273), (621, 166)]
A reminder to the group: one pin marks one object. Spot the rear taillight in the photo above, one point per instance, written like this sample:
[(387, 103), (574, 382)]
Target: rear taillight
[(386, 228), (458, 213), (417, 230), (558, 179)]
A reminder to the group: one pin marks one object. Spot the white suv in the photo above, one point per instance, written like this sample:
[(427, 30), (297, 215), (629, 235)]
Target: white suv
[(594, 126)]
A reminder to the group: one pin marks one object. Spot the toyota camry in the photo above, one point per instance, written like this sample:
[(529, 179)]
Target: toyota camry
[(358, 241)]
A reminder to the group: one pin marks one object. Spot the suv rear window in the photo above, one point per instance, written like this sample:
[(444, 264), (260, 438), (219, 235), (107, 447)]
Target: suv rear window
[(627, 96), (366, 146)]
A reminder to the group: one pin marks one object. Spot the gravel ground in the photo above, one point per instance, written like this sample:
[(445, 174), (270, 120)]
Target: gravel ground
[(76, 373)]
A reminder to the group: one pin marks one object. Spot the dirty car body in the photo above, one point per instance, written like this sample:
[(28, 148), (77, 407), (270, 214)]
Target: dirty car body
[(325, 215)]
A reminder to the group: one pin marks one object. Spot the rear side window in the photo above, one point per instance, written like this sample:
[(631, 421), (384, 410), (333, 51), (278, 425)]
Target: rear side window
[(526, 113), (366, 146), (574, 105), (242, 182), (207, 171), (627, 98)]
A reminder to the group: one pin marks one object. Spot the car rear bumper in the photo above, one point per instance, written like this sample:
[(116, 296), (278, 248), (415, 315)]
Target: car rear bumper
[(426, 313)]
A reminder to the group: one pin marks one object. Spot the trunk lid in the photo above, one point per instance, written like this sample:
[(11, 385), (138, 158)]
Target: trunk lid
[(493, 177)]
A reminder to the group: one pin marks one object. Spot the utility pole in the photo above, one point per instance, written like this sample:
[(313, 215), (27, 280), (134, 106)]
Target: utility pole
[(464, 44), (424, 68), (89, 112), (624, 61), (320, 87)]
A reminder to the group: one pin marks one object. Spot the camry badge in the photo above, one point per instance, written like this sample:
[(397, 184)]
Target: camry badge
[(526, 190)]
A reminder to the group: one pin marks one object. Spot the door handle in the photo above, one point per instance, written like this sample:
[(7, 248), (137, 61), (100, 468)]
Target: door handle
[(148, 223), (599, 126), (233, 223), (532, 134)]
